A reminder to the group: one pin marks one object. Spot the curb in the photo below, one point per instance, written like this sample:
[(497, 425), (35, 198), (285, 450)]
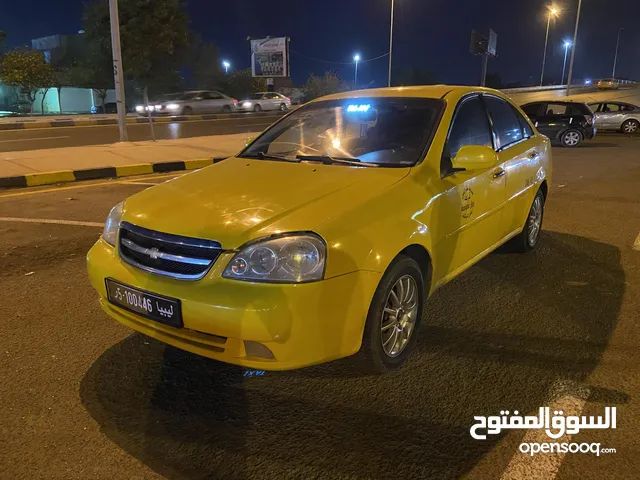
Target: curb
[(70, 122), (64, 176)]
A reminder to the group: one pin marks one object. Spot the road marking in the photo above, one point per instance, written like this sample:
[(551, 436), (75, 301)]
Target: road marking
[(636, 244), (567, 396), (29, 139), (74, 187), (142, 183), (55, 222)]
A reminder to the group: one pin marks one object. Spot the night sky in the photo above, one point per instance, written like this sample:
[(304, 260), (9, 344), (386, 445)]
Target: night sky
[(430, 34)]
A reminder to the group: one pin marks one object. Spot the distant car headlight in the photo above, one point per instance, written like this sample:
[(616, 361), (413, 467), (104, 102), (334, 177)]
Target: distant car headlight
[(287, 259), (173, 106), (246, 104), (110, 232), (158, 107), (139, 108)]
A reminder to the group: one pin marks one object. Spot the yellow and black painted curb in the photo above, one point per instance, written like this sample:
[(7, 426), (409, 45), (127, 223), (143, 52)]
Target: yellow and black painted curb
[(62, 176), (70, 122)]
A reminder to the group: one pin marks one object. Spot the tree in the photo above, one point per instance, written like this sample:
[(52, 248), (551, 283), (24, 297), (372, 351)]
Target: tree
[(327, 84), (28, 71), (153, 34), (241, 83), (203, 63)]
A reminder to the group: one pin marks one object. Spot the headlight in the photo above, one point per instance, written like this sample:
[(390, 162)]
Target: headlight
[(287, 259), (158, 107), (173, 106), (110, 232), (139, 108), (246, 104)]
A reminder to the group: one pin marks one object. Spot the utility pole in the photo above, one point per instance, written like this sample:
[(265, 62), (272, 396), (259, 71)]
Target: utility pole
[(615, 59), (573, 49), (391, 43), (544, 55), (118, 74)]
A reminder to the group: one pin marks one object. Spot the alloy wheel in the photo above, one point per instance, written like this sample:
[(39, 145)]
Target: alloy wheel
[(571, 138), (399, 316), (535, 221)]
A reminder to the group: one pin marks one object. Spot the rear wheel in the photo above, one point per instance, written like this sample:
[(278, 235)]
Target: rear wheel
[(528, 239), (630, 126), (226, 109), (257, 108), (394, 317), (187, 111), (283, 107), (571, 138)]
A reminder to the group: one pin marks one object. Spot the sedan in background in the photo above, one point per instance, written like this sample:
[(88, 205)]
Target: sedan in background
[(189, 103), (264, 101), (569, 123), (109, 107), (608, 84), (619, 116)]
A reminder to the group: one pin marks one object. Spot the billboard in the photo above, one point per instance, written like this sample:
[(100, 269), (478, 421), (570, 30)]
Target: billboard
[(493, 43), (270, 57)]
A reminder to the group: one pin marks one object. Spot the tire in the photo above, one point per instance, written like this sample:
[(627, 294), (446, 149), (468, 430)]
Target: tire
[(571, 138), (257, 108), (528, 239), (377, 353), (630, 126), (187, 111), (283, 107), (226, 109)]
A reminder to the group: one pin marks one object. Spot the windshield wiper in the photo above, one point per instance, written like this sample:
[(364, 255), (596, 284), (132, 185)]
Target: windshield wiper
[(270, 156), (328, 160)]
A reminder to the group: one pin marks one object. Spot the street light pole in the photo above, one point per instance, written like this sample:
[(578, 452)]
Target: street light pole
[(564, 64), (573, 50), (615, 59), (356, 59), (226, 66), (552, 11), (118, 75), (391, 42)]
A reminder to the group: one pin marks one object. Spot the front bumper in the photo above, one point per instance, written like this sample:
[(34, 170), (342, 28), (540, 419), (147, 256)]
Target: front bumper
[(301, 325)]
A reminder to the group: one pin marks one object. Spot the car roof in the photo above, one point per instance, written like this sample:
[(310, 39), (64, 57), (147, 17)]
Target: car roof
[(557, 102), (423, 91)]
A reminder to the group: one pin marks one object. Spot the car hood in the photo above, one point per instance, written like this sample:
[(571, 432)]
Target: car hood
[(237, 200)]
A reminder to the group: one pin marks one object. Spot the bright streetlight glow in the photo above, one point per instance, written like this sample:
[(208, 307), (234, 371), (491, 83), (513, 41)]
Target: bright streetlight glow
[(226, 66), (553, 11), (356, 58), (567, 44)]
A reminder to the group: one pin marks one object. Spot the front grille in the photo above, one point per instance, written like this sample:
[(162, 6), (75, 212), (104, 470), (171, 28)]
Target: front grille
[(173, 256)]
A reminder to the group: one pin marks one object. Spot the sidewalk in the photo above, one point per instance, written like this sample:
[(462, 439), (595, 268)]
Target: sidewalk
[(42, 167)]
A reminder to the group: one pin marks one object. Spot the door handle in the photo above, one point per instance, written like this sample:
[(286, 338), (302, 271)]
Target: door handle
[(499, 173), (534, 155)]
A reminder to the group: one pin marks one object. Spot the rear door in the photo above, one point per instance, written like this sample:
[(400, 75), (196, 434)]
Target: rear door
[(519, 153), (553, 119), (613, 117), (271, 101)]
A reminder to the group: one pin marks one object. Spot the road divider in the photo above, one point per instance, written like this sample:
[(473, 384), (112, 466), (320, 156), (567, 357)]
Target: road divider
[(64, 176)]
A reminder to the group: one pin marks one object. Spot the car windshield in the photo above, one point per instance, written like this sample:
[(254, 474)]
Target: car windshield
[(386, 131)]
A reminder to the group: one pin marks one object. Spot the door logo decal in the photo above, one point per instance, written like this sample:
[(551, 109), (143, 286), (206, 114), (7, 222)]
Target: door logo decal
[(467, 204)]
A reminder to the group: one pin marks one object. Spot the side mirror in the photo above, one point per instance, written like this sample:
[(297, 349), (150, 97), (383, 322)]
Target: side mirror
[(247, 141), (475, 157)]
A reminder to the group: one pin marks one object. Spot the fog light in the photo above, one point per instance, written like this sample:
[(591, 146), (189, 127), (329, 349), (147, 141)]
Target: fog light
[(255, 349)]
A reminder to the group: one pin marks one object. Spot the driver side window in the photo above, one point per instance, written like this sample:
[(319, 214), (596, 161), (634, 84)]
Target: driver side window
[(470, 127)]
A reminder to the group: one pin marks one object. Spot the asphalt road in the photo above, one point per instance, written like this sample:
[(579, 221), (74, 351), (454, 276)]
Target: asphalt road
[(84, 397), (39, 138)]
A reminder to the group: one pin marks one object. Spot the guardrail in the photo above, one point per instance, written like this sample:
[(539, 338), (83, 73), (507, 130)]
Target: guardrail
[(593, 84)]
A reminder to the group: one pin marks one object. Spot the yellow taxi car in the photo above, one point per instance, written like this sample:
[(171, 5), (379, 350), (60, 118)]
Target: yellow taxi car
[(325, 236)]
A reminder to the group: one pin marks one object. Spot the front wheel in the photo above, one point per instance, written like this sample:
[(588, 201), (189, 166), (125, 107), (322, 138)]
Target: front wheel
[(394, 317), (257, 108), (527, 240), (630, 126), (283, 107), (571, 138)]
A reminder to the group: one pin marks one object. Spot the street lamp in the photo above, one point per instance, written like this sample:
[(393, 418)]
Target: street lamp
[(226, 66), (552, 13), (615, 59), (356, 58), (567, 44), (573, 50), (391, 42)]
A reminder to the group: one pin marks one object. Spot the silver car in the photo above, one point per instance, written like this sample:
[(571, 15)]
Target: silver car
[(618, 116), (188, 103), (264, 101)]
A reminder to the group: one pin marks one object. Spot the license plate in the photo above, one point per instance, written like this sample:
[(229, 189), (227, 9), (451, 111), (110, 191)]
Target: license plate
[(155, 307)]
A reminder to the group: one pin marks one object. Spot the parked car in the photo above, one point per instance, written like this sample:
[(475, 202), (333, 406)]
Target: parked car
[(397, 192), (264, 101), (109, 107), (608, 84), (569, 123), (188, 103), (618, 116)]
